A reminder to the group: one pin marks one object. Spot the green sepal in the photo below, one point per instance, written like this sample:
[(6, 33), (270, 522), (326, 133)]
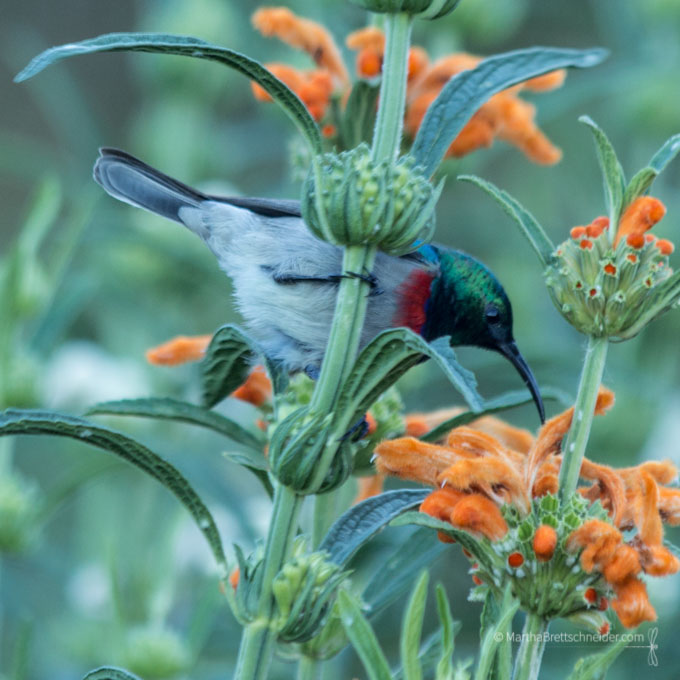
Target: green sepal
[(362, 521), (612, 172), (188, 47), (227, 362), (34, 422), (163, 408), (462, 96), (527, 223), (362, 637)]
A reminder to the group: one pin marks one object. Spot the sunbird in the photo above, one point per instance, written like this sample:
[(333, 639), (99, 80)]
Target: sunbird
[(286, 279)]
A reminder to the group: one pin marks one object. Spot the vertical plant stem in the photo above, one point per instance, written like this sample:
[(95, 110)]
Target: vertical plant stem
[(257, 643), (390, 119), (575, 443), (309, 669), (530, 653)]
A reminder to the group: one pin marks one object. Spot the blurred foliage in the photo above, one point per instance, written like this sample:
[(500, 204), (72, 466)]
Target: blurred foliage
[(110, 570)]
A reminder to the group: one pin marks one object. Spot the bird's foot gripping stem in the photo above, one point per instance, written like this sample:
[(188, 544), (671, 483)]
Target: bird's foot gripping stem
[(290, 279)]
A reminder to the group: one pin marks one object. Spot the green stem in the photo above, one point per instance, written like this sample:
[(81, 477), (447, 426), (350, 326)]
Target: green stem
[(574, 446), (257, 643), (390, 119), (309, 669), (530, 653)]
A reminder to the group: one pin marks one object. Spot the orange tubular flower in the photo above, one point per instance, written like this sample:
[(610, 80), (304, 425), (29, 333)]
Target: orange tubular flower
[(179, 350), (482, 481), (256, 390)]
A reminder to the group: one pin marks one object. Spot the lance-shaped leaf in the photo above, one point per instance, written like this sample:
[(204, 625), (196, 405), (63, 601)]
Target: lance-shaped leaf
[(389, 356), (447, 625), (358, 119), (595, 666), (181, 411), (186, 46), (423, 520), (496, 640), (468, 90), (35, 422), (399, 570), (227, 361), (643, 179), (412, 628), (612, 172), (527, 223), (362, 521), (110, 673), (501, 403), (363, 638)]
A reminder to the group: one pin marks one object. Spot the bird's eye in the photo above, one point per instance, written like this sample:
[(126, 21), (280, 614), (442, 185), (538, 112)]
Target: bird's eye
[(492, 314)]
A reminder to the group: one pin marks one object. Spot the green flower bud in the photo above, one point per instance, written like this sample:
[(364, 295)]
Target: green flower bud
[(348, 199), (296, 447), (607, 290), (304, 591), (156, 653), (424, 9)]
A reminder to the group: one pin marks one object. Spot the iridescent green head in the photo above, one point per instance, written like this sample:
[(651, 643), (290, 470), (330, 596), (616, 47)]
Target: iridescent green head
[(468, 303)]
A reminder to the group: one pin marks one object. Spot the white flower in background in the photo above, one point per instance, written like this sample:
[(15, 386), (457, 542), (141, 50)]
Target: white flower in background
[(80, 374)]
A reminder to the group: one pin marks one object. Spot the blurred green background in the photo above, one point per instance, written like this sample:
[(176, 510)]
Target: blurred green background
[(99, 565)]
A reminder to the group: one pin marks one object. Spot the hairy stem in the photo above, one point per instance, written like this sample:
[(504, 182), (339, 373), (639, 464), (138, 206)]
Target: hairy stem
[(530, 653), (309, 669), (574, 446), (390, 119)]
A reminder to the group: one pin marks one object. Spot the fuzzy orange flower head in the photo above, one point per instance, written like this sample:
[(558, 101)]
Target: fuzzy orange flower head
[(611, 283), (564, 559), (505, 116)]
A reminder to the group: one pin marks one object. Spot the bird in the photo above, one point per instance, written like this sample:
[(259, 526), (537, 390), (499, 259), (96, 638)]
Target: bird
[(286, 279)]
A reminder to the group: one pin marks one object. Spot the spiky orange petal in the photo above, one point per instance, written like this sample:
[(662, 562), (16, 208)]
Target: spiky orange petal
[(256, 390), (179, 350), (640, 216), (412, 459), (632, 604), (476, 513)]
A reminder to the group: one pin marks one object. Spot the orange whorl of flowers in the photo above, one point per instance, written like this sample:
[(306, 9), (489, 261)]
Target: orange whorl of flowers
[(256, 390), (303, 34), (479, 474), (179, 350)]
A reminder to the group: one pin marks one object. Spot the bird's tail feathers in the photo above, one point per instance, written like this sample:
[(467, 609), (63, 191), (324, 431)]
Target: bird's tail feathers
[(130, 180)]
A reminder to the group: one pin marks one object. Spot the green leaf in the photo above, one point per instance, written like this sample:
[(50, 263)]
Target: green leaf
[(181, 411), (527, 223), (644, 178), (358, 119), (612, 172), (256, 463), (161, 43), (490, 646), (412, 629), (423, 520), (398, 572), (386, 358), (462, 96), (595, 666), (447, 625), (110, 673), (363, 638), (227, 362), (501, 403), (362, 521), (34, 422)]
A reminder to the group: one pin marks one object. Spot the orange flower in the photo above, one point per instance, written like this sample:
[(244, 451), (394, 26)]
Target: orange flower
[(179, 350), (640, 216), (256, 390), (505, 116), (478, 474)]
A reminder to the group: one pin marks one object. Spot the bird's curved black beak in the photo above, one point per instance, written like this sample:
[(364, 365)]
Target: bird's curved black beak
[(511, 352)]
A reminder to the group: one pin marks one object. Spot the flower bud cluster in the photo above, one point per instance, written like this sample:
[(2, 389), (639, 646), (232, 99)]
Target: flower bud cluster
[(546, 576), (612, 287), (348, 199)]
